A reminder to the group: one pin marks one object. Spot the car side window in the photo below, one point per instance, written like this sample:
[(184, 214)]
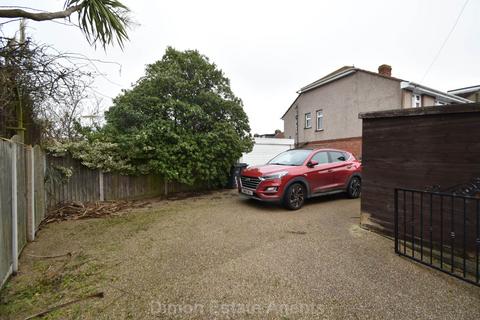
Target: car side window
[(320, 157), (338, 156)]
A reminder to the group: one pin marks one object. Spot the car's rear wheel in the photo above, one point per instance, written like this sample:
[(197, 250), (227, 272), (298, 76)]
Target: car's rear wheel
[(354, 188), (295, 196)]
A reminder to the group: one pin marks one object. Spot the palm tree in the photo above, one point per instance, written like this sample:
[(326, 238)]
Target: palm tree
[(102, 21)]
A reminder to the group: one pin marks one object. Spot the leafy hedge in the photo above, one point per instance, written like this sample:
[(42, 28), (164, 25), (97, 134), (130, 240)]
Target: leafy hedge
[(181, 120)]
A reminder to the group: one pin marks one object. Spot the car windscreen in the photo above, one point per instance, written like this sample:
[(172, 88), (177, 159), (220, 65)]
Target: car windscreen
[(291, 158)]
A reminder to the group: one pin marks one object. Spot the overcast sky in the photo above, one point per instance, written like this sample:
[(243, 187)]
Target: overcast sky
[(269, 49)]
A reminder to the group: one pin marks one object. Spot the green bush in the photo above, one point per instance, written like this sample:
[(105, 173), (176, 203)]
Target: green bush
[(181, 120)]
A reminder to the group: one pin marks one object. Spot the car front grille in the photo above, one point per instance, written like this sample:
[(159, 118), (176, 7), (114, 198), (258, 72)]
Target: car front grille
[(250, 182)]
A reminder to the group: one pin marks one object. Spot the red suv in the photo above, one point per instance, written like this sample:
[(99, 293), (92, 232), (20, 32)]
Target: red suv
[(298, 174)]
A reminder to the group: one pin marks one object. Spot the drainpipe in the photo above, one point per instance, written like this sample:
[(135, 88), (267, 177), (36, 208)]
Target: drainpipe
[(296, 126)]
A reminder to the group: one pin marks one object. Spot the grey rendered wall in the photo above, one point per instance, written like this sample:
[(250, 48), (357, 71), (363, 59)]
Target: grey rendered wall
[(341, 102), (289, 124)]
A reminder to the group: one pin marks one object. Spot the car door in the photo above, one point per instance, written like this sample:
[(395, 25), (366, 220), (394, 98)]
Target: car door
[(340, 169), (320, 177)]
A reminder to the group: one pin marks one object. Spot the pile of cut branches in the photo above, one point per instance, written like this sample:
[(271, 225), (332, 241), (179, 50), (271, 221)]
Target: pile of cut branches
[(77, 210)]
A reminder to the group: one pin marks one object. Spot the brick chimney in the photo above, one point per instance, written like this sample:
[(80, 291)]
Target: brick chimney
[(385, 70)]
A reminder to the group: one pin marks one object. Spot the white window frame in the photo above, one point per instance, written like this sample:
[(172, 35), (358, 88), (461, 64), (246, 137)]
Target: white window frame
[(414, 100), (319, 115), (308, 120)]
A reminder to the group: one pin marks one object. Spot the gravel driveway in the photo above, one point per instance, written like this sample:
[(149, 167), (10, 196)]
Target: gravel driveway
[(221, 257)]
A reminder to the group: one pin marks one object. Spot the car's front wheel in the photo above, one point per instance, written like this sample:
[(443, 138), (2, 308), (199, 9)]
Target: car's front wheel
[(354, 188), (295, 196)]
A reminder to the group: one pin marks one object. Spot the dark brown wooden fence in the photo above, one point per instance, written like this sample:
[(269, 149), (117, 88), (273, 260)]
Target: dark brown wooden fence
[(425, 148)]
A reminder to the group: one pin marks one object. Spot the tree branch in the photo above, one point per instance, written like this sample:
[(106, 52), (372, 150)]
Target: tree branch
[(39, 16)]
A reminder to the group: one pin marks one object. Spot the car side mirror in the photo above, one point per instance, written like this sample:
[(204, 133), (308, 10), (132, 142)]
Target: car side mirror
[(342, 158), (312, 163)]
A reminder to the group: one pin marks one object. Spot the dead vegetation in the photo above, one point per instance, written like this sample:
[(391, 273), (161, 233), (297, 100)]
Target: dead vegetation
[(78, 210), (75, 210)]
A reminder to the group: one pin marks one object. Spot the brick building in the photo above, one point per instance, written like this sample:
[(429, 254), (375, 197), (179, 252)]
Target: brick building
[(325, 112)]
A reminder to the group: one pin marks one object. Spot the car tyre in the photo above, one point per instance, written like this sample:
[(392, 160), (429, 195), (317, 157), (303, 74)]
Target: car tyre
[(354, 188), (295, 196)]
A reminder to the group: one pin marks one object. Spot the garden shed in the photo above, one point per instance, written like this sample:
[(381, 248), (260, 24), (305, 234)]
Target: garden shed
[(432, 148)]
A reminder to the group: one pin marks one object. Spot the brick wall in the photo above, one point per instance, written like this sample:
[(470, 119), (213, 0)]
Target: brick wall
[(353, 145)]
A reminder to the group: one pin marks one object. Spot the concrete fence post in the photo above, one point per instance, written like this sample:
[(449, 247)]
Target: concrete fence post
[(14, 210), (101, 185), (44, 169), (30, 194)]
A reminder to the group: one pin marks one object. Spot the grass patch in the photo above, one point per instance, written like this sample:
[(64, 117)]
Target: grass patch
[(96, 245), (50, 282)]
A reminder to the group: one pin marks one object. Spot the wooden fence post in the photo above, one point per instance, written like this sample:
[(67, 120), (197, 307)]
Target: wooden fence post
[(45, 193), (14, 210), (30, 194), (100, 185)]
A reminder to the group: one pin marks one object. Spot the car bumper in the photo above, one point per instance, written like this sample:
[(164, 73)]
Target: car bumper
[(264, 199), (261, 193)]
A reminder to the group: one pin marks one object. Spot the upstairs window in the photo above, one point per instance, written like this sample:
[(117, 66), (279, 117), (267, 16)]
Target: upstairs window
[(416, 101), (308, 120), (319, 120)]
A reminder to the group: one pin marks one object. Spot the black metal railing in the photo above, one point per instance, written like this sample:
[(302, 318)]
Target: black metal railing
[(440, 230)]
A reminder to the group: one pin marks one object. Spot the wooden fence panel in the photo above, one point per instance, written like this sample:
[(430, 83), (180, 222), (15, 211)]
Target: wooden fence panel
[(39, 185), (21, 196), (131, 187), (82, 186), (12, 152), (5, 210)]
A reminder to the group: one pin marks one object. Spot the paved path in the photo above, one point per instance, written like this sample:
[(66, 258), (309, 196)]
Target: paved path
[(222, 257)]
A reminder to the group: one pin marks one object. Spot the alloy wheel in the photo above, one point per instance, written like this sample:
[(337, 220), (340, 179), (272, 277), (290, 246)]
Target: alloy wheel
[(297, 196), (355, 188)]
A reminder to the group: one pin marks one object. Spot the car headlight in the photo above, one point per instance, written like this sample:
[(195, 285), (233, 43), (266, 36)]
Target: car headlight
[(276, 175)]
